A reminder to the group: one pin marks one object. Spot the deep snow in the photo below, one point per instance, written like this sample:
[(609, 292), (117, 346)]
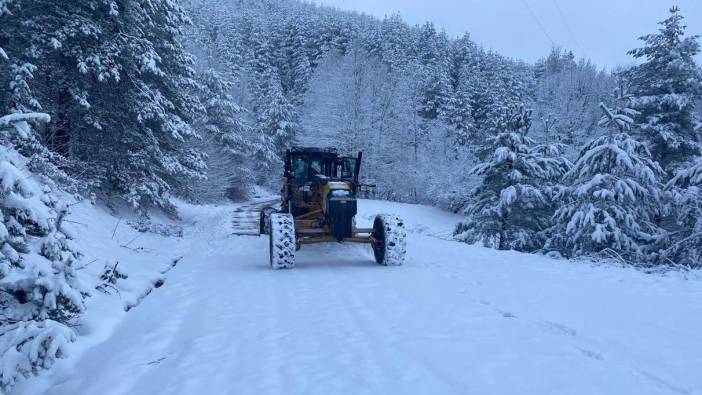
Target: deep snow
[(455, 319)]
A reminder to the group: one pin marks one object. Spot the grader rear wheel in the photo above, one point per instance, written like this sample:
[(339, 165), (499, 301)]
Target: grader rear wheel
[(389, 240)]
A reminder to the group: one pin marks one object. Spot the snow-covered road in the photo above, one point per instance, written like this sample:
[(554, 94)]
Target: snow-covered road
[(456, 319)]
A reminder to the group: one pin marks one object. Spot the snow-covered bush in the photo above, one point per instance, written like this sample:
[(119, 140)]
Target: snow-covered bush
[(511, 206), (26, 347), (612, 198), (111, 273), (39, 289)]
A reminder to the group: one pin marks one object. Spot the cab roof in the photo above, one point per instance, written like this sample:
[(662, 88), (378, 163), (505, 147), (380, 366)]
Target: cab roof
[(312, 150)]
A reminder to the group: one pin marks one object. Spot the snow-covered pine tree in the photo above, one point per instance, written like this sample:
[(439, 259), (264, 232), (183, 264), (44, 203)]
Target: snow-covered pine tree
[(277, 121), (39, 289), (261, 61), (494, 90), (226, 140), (686, 188), (293, 64), (18, 77), (458, 111), (510, 208), (395, 42), (665, 88), (432, 56), (611, 197), (118, 85)]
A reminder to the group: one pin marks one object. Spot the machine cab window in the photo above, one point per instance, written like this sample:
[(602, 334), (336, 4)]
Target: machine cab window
[(315, 168), (300, 170), (348, 167), (307, 166)]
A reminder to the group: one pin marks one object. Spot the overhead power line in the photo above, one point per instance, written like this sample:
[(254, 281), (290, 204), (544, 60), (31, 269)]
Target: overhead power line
[(538, 22), (566, 24)]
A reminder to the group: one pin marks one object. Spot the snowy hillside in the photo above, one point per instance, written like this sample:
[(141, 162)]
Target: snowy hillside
[(454, 319)]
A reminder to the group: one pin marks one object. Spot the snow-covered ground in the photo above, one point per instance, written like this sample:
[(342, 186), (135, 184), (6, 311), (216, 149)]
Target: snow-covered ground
[(455, 319)]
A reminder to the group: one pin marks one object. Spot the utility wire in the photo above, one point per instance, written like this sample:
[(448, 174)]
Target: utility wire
[(538, 22), (567, 26)]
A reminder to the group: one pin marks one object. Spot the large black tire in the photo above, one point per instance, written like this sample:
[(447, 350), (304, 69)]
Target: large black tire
[(389, 240), (282, 241), (264, 220)]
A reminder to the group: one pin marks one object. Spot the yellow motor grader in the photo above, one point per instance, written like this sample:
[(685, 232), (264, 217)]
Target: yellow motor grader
[(319, 205)]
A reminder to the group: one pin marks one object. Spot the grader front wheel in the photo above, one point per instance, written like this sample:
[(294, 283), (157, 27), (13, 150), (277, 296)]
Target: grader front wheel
[(282, 241), (389, 240)]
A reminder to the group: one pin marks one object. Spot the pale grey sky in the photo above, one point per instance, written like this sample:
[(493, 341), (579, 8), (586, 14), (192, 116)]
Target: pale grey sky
[(602, 30)]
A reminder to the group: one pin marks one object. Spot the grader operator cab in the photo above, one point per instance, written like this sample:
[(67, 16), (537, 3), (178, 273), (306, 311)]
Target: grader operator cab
[(319, 205)]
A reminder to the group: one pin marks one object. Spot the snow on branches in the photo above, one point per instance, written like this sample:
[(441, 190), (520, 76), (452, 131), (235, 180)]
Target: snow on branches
[(664, 90), (511, 206), (39, 289), (686, 188), (611, 200)]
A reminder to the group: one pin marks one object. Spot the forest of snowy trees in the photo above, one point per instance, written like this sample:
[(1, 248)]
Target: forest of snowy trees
[(558, 157), (135, 103)]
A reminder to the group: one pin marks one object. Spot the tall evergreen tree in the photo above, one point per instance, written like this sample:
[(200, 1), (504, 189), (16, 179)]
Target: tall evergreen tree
[(432, 56), (511, 206), (277, 122), (293, 64), (118, 85), (611, 198), (458, 110), (226, 140), (665, 88), (395, 41)]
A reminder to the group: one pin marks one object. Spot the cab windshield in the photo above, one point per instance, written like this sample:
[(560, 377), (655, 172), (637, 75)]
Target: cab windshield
[(305, 168), (348, 166), (316, 167), (300, 170)]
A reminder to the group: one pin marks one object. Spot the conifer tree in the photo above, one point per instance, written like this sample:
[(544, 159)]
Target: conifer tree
[(226, 140), (612, 197), (510, 208), (277, 122), (458, 112), (686, 188), (665, 88), (118, 86), (431, 53), (293, 64), (39, 288)]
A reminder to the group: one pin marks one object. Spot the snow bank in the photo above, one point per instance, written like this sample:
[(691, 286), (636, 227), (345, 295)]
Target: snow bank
[(107, 240)]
